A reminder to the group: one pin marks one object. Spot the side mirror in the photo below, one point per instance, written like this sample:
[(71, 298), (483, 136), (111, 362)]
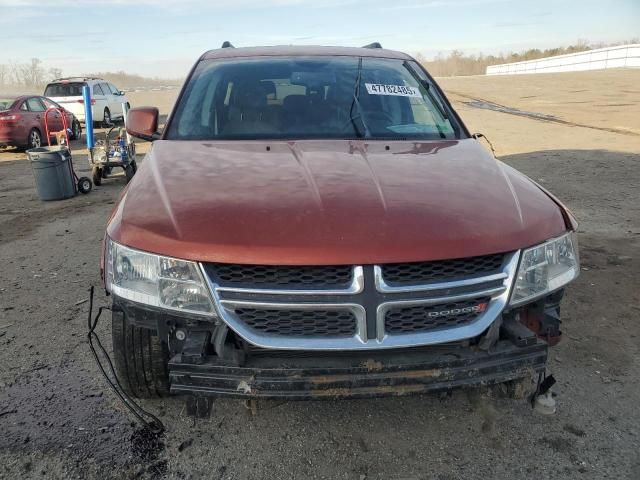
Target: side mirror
[(142, 122)]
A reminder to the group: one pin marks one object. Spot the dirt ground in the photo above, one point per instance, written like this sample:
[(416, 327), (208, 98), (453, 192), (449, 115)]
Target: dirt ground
[(59, 420)]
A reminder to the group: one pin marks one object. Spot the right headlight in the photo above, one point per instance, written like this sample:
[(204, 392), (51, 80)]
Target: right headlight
[(545, 268), (155, 280)]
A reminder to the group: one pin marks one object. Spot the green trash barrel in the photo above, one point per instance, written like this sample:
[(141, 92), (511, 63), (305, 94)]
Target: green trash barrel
[(52, 171)]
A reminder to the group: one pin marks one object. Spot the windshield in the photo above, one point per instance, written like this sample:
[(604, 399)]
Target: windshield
[(6, 103), (72, 89), (310, 97)]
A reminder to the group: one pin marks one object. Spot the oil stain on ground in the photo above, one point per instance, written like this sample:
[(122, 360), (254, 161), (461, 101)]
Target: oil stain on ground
[(61, 411)]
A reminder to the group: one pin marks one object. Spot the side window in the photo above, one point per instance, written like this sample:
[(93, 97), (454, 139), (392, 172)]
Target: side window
[(49, 103), (105, 89), (35, 105), (113, 89), (24, 107), (97, 90)]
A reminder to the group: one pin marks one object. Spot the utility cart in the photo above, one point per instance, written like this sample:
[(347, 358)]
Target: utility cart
[(111, 151)]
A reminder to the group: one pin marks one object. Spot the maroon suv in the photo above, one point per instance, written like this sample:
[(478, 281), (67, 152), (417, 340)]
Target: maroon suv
[(318, 222)]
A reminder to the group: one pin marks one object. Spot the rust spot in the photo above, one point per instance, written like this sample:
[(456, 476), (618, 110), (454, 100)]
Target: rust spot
[(372, 366), (394, 390), (416, 374), (324, 379)]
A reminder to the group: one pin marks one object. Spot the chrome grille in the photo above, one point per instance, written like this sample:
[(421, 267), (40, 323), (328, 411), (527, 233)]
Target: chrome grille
[(423, 318), (280, 276), (297, 323), (441, 270), (369, 307)]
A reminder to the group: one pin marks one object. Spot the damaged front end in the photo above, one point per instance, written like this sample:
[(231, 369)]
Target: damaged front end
[(300, 332), (208, 359)]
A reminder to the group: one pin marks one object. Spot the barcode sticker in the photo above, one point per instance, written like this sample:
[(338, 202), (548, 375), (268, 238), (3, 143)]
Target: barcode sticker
[(395, 90)]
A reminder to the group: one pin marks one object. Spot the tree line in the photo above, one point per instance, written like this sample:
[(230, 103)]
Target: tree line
[(458, 63), (32, 76), (28, 75)]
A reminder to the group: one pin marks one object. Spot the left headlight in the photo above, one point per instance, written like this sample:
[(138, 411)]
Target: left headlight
[(156, 280), (545, 268)]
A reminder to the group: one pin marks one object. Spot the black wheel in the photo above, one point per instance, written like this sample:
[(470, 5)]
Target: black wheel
[(106, 171), (76, 130), (140, 358), (106, 121), (129, 172), (84, 185), (34, 140), (134, 166), (96, 175)]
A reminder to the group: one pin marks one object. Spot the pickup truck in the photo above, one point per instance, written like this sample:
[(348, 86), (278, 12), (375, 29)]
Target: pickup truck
[(318, 222)]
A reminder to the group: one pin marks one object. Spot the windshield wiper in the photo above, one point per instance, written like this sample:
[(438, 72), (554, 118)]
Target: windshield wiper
[(434, 100), (356, 102)]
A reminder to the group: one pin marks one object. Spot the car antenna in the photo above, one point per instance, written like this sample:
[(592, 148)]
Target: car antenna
[(373, 45), (227, 44)]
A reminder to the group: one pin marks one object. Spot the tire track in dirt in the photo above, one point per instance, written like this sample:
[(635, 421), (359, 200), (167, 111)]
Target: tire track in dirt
[(484, 104)]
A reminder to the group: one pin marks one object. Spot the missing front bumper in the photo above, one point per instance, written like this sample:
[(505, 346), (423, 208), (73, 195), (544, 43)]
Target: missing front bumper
[(407, 372)]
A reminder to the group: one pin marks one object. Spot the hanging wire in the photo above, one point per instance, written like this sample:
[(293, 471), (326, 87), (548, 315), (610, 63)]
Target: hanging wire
[(154, 424)]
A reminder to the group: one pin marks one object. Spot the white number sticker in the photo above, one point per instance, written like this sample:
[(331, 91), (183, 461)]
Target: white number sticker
[(395, 90)]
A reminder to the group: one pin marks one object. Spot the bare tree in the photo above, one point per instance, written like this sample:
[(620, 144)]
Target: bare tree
[(32, 73), (14, 72), (4, 75), (55, 73)]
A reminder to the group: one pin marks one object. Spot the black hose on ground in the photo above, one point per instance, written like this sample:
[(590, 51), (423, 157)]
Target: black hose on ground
[(154, 424)]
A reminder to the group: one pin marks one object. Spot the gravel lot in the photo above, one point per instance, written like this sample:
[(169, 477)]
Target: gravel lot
[(58, 420)]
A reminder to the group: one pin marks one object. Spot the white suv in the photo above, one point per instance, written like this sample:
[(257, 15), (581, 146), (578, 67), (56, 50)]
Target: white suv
[(106, 100)]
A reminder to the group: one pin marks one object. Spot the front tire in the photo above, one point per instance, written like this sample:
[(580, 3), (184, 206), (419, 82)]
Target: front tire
[(140, 358)]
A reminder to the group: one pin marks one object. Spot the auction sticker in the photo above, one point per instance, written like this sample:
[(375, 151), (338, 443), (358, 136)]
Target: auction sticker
[(396, 90)]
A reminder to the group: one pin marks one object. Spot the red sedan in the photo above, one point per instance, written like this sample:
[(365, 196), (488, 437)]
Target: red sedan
[(22, 121)]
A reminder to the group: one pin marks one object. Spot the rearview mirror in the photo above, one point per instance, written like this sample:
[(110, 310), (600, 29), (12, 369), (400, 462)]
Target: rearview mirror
[(142, 122)]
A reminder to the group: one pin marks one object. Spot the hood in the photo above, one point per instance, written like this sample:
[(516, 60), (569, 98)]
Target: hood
[(330, 202)]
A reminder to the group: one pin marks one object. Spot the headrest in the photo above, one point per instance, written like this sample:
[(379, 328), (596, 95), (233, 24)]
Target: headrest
[(250, 95)]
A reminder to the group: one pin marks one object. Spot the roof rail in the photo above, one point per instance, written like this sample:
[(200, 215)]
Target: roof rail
[(227, 44), (77, 77), (373, 45)]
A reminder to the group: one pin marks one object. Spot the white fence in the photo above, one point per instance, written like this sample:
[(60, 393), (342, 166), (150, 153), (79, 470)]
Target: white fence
[(610, 57)]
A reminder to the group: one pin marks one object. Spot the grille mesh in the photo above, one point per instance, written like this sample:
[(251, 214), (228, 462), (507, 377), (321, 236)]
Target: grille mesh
[(441, 270), (282, 276), (300, 323), (417, 318)]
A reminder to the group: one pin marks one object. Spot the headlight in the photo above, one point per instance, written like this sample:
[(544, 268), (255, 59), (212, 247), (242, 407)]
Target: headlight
[(545, 268), (155, 280)]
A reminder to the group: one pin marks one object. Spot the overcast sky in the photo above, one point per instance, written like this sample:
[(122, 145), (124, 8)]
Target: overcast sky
[(164, 37)]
